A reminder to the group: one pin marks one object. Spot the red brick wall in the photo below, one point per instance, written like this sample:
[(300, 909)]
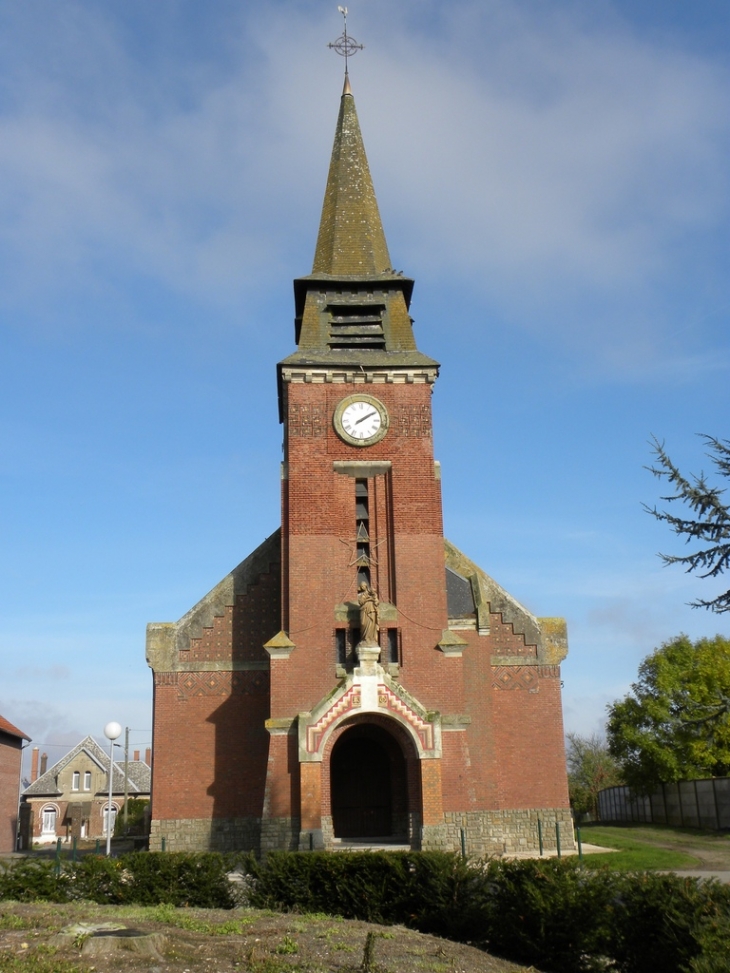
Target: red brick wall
[(406, 541), (211, 745), (10, 754), (528, 730), (515, 748)]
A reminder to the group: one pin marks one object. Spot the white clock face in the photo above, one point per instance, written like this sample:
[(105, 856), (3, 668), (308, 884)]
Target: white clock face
[(361, 420)]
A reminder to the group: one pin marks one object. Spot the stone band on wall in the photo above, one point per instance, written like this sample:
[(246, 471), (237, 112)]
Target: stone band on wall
[(225, 834), (500, 832)]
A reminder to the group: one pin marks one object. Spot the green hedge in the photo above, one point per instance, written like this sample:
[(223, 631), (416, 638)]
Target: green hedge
[(180, 879), (547, 913)]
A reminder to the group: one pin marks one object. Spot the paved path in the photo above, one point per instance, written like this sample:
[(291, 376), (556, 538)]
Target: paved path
[(721, 876)]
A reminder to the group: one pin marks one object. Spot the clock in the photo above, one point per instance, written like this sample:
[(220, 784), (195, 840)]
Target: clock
[(361, 420)]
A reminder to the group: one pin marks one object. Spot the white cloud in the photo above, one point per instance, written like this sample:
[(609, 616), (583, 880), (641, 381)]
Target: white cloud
[(559, 170)]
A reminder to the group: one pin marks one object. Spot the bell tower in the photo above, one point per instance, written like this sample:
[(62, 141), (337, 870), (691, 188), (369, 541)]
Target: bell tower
[(361, 500), (360, 490)]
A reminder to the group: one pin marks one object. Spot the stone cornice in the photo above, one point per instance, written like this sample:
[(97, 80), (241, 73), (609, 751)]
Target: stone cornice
[(324, 375)]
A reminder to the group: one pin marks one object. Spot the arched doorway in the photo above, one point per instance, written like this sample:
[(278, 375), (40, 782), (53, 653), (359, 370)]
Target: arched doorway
[(368, 783)]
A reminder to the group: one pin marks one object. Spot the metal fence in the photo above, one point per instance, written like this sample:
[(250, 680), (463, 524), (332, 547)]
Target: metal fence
[(688, 803)]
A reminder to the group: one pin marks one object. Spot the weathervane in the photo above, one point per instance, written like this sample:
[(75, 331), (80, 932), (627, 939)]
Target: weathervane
[(344, 45)]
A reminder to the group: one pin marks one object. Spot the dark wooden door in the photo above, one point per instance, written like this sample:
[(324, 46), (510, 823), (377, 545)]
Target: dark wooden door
[(361, 791)]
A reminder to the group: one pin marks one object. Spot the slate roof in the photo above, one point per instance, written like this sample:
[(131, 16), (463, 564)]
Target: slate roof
[(7, 727), (351, 238), (139, 774)]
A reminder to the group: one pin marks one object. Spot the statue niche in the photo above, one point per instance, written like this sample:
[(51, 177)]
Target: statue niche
[(369, 629)]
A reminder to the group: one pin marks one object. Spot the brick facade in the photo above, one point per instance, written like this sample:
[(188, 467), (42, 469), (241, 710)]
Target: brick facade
[(11, 747), (263, 699)]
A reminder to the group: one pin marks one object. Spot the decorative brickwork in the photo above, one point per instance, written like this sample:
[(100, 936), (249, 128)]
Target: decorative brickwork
[(413, 421), (351, 700), (523, 677), (388, 700), (221, 684), (306, 421), (238, 634)]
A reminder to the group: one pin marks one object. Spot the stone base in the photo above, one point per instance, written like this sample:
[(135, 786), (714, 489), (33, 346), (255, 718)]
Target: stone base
[(225, 834), (411, 828), (280, 834), (496, 833), (486, 833), (311, 840), (206, 834)]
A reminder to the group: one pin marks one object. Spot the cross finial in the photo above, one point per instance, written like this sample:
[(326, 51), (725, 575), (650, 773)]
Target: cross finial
[(345, 45)]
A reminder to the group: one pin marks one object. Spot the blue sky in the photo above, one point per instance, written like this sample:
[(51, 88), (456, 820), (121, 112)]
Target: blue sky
[(554, 176)]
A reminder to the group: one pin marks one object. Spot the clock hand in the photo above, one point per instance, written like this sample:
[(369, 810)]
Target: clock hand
[(373, 413)]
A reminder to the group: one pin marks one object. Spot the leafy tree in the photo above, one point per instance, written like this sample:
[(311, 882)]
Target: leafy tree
[(710, 524), (136, 811), (675, 722), (591, 767)]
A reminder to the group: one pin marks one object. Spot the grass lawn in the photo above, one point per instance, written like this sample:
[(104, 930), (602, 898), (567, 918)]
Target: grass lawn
[(635, 851)]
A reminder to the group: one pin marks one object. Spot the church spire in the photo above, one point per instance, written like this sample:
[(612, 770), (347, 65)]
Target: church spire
[(352, 311), (351, 241)]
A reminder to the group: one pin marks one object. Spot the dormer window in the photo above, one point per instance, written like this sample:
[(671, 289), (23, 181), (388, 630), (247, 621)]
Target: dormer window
[(75, 780), (87, 780)]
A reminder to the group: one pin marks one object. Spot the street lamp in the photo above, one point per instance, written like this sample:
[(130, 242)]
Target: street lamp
[(111, 731)]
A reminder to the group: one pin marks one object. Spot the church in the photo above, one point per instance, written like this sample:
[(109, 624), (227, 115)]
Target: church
[(357, 679)]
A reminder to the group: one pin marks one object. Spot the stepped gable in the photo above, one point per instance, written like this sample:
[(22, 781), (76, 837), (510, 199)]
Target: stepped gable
[(166, 640), (547, 635)]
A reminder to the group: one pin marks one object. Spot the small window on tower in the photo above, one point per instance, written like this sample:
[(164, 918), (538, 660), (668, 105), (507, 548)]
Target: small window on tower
[(393, 653), (341, 646), (361, 500)]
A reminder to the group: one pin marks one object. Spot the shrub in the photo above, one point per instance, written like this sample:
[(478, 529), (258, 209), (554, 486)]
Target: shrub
[(96, 879), (180, 879), (547, 913), (136, 820), (32, 879), (666, 922), (425, 890)]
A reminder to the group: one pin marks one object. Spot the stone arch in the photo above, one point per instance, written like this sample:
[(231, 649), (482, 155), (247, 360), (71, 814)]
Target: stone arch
[(389, 750), (316, 729)]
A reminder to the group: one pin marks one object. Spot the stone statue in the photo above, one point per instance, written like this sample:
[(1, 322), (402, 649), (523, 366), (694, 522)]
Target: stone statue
[(368, 602)]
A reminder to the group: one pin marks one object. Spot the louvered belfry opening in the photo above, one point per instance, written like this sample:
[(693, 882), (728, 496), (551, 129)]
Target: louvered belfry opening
[(356, 326), (362, 523)]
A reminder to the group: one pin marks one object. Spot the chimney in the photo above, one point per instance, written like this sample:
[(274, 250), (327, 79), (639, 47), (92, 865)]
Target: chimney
[(136, 754), (34, 765), (44, 763), (148, 757)]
